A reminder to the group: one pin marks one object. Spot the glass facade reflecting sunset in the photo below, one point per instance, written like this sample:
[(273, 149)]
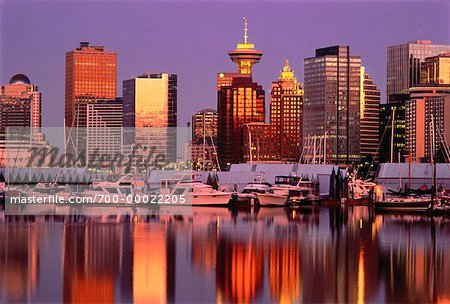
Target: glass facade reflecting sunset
[(404, 63), (150, 106), (370, 118), (239, 103), (332, 102), (286, 107), (90, 72)]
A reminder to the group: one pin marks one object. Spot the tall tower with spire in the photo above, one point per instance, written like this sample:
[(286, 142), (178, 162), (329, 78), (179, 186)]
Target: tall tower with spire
[(239, 101), (245, 55), (286, 112)]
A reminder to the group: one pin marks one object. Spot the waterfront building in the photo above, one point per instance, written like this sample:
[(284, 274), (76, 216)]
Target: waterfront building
[(331, 105), (286, 109), (150, 106), (404, 64), (91, 72), (428, 108), (239, 101), (20, 87), (204, 139), (259, 143), (100, 132), (204, 126), (393, 146), (245, 55), (20, 108), (14, 112), (370, 118), (436, 70)]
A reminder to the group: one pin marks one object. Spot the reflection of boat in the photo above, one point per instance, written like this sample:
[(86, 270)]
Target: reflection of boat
[(288, 189), (195, 192)]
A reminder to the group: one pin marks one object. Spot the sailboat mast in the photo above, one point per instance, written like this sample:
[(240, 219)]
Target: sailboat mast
[(204, 142), (250, 146), (433, 155), (392, 135)]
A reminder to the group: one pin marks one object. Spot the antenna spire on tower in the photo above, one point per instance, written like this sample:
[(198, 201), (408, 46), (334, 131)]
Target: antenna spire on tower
[(245, 30)]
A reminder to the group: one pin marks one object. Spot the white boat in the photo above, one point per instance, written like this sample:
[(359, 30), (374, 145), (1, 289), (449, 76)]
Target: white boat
[(45, 190), (286, 189), (104, 192), (359, 188), (195, 192), (249, 193), (399, 202)]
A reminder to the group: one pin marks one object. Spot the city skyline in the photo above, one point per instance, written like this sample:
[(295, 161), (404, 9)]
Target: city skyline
[(207, 52)]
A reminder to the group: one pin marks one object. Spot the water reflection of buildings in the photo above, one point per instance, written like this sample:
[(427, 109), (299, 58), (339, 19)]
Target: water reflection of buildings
[(239, 269), (19, 262), (118, 263), (153, 263), (413, 261), (242, 259), (284, 266), (94, 255)]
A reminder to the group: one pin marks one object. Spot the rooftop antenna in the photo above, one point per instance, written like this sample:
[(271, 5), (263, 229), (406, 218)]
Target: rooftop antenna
[(245, 30), (419, 28)]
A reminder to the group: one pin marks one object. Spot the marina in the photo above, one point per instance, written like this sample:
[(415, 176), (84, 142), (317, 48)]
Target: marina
[(329, 254)]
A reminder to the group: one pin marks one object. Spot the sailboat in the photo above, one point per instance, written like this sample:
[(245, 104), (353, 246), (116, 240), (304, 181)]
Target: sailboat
[(408, 201)]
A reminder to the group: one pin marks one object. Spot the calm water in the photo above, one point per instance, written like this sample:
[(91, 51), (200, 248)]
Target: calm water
[(339, 254)]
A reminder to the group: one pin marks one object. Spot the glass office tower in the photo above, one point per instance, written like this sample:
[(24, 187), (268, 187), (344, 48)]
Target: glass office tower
[(91, 72), (404, 64), (332, 102)]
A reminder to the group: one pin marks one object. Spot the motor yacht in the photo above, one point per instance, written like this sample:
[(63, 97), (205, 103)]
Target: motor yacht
[(194, 192), (288, 189)]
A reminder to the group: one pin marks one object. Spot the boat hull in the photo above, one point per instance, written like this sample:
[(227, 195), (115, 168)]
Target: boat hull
[(217, 199), (397, 206), (270, 199)]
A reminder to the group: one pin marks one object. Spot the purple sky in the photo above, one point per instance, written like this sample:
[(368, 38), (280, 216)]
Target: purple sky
[(192, 39)]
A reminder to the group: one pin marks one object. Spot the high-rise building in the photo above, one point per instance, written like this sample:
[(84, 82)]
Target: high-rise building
[(20, 109), (14, 112), (286, 107), (91, 72), (370, 118), (428, 108), (331, 105), (436, 70), (150, 106), (204, 126), (259, 143), (204, 139), (100, 132), (20, 87), (239, 101), (404, 64), (245, 55), (392, 143)]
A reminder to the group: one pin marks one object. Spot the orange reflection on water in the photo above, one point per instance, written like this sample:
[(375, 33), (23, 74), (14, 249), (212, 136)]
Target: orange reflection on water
[(284, 269), (344, 256), (361, 276), (149, 263), (240, 269), (92, 289)]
